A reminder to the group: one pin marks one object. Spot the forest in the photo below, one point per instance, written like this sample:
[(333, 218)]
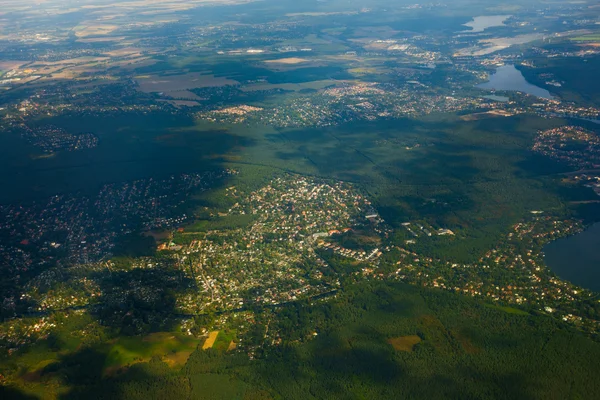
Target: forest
[(374, 340)]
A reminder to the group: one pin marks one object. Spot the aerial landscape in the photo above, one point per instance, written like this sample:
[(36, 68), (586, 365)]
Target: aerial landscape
[(273, 199)]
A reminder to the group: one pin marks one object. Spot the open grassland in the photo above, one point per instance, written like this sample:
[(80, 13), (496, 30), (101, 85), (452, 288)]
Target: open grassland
[(7, 65), (225, 341), (510, 310), (176, 83), (219, 223), (404, 343), (587, 38), (314, 85), (316, 43)]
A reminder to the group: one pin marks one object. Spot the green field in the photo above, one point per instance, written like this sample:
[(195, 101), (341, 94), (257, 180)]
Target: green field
[(510, 310), (172, 347), (587, 38), (220, 223)]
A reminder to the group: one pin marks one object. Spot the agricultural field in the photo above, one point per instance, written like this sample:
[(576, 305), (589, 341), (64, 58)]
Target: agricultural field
[(587, 38), (210, 340)]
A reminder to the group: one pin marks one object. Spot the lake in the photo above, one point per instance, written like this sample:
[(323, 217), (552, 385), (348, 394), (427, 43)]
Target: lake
[(481, 23), (577, 258), (507, 77)]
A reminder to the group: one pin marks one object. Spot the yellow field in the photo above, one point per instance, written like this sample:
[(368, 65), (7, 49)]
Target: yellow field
[(232, 346), (211, 340), (404, 343)]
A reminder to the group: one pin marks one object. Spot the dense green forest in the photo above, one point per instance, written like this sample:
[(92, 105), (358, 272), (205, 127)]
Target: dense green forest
[(375, 340)]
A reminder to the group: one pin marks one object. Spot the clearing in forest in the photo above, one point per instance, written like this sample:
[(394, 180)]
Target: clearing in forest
[(404, 343)]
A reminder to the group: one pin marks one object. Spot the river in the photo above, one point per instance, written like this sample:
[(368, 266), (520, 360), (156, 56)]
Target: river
[(577, 258), (507, 77)]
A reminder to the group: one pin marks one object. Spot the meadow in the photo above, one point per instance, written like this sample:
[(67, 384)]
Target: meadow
[(173, 347)]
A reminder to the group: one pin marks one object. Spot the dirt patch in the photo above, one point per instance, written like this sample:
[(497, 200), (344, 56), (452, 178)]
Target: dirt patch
[(288, 61)]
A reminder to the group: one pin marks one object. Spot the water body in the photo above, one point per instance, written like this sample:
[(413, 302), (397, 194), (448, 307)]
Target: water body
[(577, 258), (595, 121), (555, 115), (481, 23), (508, 77)]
